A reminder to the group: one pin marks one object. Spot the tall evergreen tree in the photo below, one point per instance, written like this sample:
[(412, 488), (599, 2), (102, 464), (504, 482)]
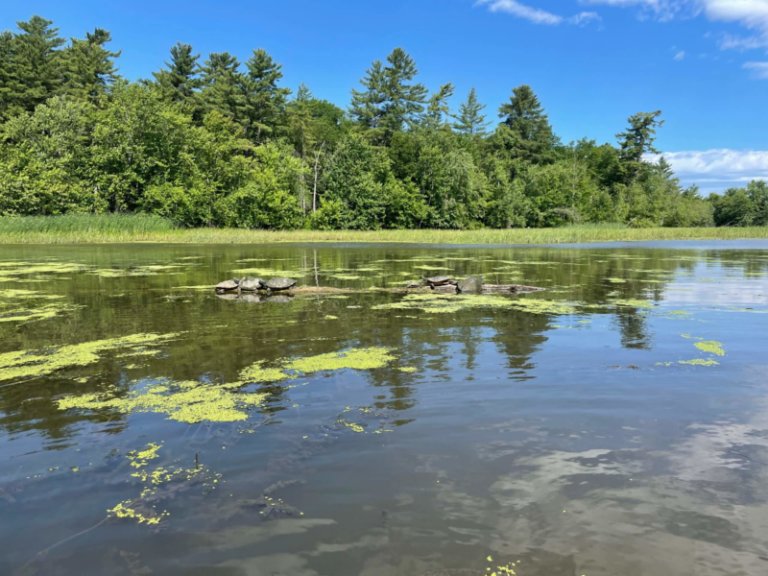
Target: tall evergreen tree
[(264, 100), (438, 108), (222, 81), (471, 119), (638, 139), (531, 136), (89, 68), (33, 72), (390, 100), (180, 78)]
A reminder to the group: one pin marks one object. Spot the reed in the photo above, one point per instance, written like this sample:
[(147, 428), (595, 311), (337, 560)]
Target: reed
[(98, 229)]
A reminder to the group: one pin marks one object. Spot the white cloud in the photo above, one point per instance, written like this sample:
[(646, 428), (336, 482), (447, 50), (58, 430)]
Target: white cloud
[(661, 9), (584, 18), (535, 15), (679, 56), (759, 69), (718, 169)]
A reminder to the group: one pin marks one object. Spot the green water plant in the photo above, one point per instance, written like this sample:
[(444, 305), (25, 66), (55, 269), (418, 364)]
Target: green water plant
[(33, 363)]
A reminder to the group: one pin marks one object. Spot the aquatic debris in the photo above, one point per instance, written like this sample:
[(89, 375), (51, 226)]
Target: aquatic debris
[(711, 347), (188, 402), (30, 363)]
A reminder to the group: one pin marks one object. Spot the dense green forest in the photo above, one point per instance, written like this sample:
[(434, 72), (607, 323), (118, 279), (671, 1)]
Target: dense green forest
[(217, 142)]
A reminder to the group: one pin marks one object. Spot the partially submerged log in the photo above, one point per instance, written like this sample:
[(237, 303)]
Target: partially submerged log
[(448, 289)]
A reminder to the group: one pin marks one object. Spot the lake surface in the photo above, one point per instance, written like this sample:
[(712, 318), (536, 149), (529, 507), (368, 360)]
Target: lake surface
[(614, 425)]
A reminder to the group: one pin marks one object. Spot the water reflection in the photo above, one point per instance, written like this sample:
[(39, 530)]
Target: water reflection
[(572, 443)]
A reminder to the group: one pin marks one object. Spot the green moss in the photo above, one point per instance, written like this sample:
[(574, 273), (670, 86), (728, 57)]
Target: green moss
[(711, 347), (189, 402), (31, 363)]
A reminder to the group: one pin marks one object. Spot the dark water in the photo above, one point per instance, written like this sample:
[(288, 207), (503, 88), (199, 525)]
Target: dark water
[(546, 441)]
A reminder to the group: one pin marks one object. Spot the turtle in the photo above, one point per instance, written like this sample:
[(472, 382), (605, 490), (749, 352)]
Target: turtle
[(470, 284), (227, 286), (278, 284), (439, 281), (249, 284)]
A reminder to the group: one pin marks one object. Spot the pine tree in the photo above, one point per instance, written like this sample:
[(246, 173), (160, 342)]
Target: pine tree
[(222, 83), (89, 68), (390, 100), (637, 140), (33, 71), (264, 100), (530, 135), (179, 80), (471, 120), (438, 108)]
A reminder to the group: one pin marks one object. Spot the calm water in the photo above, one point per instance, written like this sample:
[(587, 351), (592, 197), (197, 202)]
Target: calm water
[(562, 440)]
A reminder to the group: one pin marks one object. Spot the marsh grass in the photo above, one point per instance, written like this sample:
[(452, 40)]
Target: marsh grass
[(106, 228)]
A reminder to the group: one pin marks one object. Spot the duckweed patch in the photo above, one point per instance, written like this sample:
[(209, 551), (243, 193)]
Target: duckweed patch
[(354, 359), (633, 303), (450, 303), (189, 402), (156, 484), (268, 272), (32, 363), (700, 362), (45, 312), (711, 347), (408, 369)]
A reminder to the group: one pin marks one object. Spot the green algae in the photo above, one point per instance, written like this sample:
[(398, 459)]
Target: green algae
[(348, 277), (45, 312), (433, 268), (20, 294), (700, 362), (151, 270), (268, 272), (633, 303), (155, 484), (450, 303), (18, 270), (330, 317), (616, 280), (711, 347), (408, 369), (357, 428), (33, 363), (189, 402), (353, 359)]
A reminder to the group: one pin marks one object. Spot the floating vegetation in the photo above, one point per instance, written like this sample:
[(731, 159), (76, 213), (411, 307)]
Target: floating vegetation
[(433, 268), (13, 270), (189, 402), (45, 312), (408, 369), (156, 484), (330, 317), (349, 277), (700, 362), (151, 270), (267, 272), (354, 359), (616, 280), (633, 303), (450, 303), (711, 347), (31, 363), (351, 426)]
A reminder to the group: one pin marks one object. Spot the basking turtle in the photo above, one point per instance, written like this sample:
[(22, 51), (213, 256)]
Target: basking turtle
[(227, 286), (278, 284), (439, 281), (249, 284), (471, 285)]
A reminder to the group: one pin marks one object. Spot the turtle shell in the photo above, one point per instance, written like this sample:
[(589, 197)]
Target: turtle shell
[(249, 284), (227, 286), (276, 284), (439, 280)]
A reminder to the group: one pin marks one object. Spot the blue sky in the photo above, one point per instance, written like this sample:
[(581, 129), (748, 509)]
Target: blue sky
[(704, 63)]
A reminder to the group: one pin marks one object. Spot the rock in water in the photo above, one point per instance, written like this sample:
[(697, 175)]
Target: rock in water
[(470, 285)]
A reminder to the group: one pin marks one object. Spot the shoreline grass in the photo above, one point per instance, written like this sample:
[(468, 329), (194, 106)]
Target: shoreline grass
[(127, 229)]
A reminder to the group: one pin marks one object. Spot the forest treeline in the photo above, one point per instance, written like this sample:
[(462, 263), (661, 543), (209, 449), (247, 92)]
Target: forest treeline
[(218, 142)]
